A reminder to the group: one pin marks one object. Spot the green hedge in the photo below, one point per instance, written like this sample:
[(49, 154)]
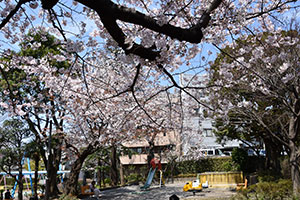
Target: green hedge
[(217, 164), (205, 165)]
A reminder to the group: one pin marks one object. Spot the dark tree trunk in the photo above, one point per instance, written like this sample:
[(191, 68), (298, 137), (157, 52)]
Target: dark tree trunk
[(53, 181), (55, 159), (273, 151), (72, 182), (36, 160), (20, 181), (113, 166), (99, 173)]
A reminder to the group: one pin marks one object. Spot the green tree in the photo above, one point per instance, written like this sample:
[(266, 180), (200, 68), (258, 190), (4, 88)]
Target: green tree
[(14, 136), (253, 136), (240, 157)]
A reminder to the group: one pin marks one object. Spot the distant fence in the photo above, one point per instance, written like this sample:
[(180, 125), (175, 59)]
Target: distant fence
[(221, 179)]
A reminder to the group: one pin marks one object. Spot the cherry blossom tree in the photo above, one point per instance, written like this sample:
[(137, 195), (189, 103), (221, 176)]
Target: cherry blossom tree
[(106, 110), (162, 34), (257, 78), (23, 94), (145, 41), (90, 107)]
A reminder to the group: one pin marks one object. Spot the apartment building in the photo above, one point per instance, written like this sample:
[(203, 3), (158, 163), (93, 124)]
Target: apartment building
[(198, 128)]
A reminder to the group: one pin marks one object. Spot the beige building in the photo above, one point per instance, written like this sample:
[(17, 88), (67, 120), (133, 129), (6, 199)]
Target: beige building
[(164, 144)]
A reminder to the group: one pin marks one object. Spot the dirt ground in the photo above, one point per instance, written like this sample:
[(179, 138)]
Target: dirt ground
[(163, 193)]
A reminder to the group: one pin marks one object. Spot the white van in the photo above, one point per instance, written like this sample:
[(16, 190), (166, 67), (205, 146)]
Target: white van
[(212, 152)]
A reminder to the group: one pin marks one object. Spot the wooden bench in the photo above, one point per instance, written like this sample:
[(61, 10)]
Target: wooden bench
[(85, 190)]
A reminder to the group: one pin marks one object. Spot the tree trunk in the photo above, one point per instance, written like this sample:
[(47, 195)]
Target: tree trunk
[(113, 166), (20, 181), (36, 160), (99, 173), (52, 168), (294, 132), (273, 151), (295, 172), (53, 182), (122, 175), (72, 182)]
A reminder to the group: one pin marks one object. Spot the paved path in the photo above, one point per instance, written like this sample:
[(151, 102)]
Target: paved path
[(162, 193)]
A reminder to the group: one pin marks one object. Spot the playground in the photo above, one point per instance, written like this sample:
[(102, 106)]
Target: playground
[(28, 177), (150, 189), (162, 193)]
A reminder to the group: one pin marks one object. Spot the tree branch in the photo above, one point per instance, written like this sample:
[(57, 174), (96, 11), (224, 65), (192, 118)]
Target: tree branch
[(110, 12), (13, 12)]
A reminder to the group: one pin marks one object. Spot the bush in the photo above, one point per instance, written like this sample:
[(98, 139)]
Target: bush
[(107, 181), (281, 189), (268, 176), (134, 178), (219, 164), (67, 197), (240, 157), (229, 166)]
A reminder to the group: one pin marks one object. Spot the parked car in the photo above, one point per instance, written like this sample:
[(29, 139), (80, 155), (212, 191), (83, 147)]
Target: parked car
[(212, 152), (261, 152)]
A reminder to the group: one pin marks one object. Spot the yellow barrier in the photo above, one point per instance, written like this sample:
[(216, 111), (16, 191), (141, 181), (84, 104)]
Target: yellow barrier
[(221, 179)]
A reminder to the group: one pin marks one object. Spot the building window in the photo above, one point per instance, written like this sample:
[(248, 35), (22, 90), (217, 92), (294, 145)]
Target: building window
[(207, 132), (139, 150)]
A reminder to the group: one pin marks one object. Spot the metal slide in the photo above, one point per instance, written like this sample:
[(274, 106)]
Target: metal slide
[(149, 178)]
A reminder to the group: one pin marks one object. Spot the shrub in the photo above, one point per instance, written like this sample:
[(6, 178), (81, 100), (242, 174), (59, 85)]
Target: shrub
[(268, 176), (229, 166), (281, 189), (240, 157), (204, 165), (67, 197), (134, 178), (107, 181)]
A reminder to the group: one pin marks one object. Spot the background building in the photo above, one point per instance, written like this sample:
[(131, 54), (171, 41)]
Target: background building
[(197, 136)]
